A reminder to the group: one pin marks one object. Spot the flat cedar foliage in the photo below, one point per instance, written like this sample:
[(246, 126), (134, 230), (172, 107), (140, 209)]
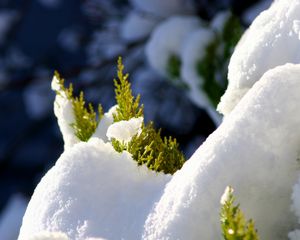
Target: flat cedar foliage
[(233, 223), (86, 120), (147, 147)]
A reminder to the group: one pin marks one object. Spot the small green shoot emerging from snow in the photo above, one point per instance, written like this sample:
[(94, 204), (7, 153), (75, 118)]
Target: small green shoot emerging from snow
[(147, 147), (128, 107), (86, 120), (233, 223)]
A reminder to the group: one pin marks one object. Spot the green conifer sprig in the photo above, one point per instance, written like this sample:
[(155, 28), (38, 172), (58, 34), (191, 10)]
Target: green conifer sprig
[(86, 120), (128, 107), (215, 60), (233, 223), (147, 147)]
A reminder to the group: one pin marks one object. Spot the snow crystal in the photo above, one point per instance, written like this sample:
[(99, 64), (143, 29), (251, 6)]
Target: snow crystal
[(164, 8), (49, 236), (11, 217), (255, 151), (167, 39), (137, 26), (124, 130), (63, 110), (93, 192), (262, 47)]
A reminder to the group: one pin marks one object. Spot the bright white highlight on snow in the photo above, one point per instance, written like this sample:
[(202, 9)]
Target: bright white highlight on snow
[(104, 124), (63, 110), (270, 41), (123, 131), (93, 191), (255, 151), (225, 196), (49, 236), (167, 40)]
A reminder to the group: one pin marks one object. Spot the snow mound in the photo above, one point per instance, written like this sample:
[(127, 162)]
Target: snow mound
[(167, 39), (194, 50), (263, 47), (255, 151), (91, 192)]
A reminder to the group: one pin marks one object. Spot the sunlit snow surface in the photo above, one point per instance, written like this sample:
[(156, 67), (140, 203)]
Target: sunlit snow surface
[(255, 150), (93, 191), (271, 40)]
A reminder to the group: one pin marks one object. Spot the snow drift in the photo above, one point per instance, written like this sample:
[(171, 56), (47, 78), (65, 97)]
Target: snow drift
[(93, 191), (255, 151), (271, 40)]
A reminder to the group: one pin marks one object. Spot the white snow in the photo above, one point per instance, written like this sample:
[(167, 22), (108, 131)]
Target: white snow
[(164, 8), (225, 196), (167, 40), (137, 26), (93, 192), (123, 131), (11, 217), (270, 41), (63, 110), (295, 235), (296, 199), (193, 50), (104, 124), (255, 151), (49, 236)]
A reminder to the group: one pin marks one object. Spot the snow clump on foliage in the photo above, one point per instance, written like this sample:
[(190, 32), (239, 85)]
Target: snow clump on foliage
[(271, 40)]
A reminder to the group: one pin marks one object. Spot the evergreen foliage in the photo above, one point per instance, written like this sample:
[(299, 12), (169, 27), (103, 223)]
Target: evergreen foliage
[(147, 147), (233, 223), (173, 67), (86, 120), (128, 107), (216, 60)]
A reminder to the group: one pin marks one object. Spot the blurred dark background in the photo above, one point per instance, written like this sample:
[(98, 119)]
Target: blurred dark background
[(81, 39)]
